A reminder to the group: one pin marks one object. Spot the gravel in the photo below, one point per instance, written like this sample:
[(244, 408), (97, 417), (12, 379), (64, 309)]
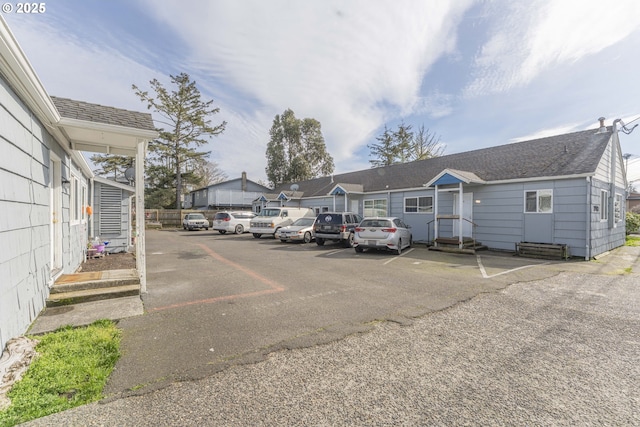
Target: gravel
[(560, 351)]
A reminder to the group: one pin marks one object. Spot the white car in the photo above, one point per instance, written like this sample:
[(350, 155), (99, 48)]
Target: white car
[(300, 231), (194, 221), (232, 222), (388, 233)]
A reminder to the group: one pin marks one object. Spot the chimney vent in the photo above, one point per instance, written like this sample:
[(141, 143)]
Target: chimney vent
[(603, 128), (244, 181)]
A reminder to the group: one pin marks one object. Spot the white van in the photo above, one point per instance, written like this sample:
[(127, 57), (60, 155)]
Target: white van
[(271, 219)]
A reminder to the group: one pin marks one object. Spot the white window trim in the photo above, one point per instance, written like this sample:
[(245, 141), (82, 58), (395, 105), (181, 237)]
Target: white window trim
[(604, 205), (538, 211), (364, 206), (418, 205), (618, 208)]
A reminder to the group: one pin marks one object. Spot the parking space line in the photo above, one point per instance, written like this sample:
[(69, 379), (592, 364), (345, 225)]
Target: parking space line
[(274, 287), (335, 252), (397, 256), (487, 276)]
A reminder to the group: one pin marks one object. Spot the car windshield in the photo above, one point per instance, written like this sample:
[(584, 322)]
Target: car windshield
[(304, 222), (375, 223), (196, 216), (269, 212)]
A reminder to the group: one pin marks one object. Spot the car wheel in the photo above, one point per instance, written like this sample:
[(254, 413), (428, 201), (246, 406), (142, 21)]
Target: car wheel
[(307, 237), (359, 249), (319, 241), (410, 241), (275, 233), (206, 228), (257, 235), (283, 240), (399, 250), (184, 227), (348, 242), (222, 231), (239, 229)]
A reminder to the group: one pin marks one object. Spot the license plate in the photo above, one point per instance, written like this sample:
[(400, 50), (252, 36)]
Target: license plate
[(371, 242)]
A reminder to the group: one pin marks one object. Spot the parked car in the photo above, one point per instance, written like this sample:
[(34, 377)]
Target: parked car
[(300, 231), (388, 233), (272, 219), (232, 222), (336, 226), (193, 221)]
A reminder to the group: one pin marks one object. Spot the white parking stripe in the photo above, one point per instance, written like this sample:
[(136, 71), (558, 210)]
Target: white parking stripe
[(486, 276), (396, 257)]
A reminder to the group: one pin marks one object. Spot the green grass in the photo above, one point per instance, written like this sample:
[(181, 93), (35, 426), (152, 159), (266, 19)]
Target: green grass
[(633, 241), (70, 370)]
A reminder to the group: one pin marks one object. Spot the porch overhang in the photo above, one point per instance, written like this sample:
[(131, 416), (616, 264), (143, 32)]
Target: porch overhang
[(104, 138), (453, 176)]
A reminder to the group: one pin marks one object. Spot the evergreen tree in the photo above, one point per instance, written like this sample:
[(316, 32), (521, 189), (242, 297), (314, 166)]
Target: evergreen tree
[(296, 150), (187, 127)]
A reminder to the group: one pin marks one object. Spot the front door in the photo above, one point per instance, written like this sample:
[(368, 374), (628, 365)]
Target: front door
[(467, 214)]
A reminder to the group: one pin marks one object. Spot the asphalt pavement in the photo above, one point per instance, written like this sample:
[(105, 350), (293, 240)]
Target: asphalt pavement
[(457, 340)]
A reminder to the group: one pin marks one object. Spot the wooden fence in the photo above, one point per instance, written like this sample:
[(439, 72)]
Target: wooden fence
[(172, 218)]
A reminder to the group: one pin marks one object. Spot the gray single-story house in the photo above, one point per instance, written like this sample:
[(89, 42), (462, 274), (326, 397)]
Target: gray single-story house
[(236, 193), (565, 189), (45, 183)]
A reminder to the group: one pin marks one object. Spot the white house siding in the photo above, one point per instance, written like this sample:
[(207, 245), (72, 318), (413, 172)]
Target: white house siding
[(24, 224)]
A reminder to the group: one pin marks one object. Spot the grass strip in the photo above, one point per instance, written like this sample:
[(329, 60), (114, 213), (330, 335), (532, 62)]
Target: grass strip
[(71, 369), (633, 241)]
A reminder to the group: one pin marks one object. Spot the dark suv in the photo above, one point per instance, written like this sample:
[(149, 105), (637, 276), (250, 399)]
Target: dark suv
[(336, 226)]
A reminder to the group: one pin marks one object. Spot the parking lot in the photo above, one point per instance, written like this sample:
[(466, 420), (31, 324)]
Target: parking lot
[(226, 299)]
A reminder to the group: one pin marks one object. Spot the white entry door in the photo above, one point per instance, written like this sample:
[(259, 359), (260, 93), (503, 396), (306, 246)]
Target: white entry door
[(467, 213)]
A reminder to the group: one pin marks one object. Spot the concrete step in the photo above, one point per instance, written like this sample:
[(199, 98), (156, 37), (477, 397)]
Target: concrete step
[(95, 280), (96, 294)]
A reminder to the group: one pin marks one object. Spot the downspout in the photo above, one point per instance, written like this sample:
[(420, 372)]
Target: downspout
[(435, 216), (587, 256), (612, 185), (460, 219), (93, 202), (346, 200)]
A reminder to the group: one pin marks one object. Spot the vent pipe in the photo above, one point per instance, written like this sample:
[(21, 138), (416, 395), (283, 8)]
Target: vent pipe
[(244, 181), (602, 128)]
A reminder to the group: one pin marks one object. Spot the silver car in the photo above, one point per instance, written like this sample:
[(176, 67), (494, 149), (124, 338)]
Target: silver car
[(193, 221), (232, 222), (387, 233), (300, 231)]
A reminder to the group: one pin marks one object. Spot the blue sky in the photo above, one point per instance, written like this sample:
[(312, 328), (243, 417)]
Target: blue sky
[(476, 73)]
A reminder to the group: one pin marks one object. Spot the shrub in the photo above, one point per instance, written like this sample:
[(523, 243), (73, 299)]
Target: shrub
[(632, 222)]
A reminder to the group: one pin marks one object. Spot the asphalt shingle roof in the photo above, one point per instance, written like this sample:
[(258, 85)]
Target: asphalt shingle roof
[(96, 113), (562, 155)]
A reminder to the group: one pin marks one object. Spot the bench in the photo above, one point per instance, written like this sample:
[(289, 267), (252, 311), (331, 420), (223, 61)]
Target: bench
[(542, 250)]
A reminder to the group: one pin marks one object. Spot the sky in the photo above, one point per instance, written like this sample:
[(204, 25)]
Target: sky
[(475, 74)]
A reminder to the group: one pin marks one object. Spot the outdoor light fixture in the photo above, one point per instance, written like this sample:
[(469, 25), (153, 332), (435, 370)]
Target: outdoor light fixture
[(66, 184)]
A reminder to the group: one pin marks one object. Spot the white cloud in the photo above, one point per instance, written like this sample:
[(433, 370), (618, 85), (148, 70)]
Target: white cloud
[(531, 37), (351, 65)]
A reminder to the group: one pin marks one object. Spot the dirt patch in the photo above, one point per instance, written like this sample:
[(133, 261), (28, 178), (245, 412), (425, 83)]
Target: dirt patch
[(121, 261)]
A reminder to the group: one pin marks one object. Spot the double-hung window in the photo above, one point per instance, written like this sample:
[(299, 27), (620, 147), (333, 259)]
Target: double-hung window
[(376, 207), (538, 201), (418, 204)]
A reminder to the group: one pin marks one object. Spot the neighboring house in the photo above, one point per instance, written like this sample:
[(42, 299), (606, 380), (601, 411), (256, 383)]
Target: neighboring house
[(566, 189), (633, 202), (45, 183), (111, 219), (237, 193)]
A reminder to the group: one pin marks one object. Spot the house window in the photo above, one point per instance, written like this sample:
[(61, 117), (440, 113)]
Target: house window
[(538, 201), (377, 207), (321, 209), (617, 208), (604, 206), (418, 204)]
